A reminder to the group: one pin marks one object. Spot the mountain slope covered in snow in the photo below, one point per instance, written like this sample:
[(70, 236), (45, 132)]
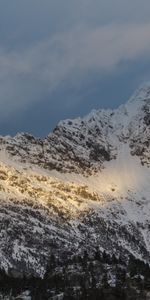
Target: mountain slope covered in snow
[(84, 187)]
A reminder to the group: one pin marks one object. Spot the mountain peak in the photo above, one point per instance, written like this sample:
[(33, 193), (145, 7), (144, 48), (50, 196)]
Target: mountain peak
[(142, 93)]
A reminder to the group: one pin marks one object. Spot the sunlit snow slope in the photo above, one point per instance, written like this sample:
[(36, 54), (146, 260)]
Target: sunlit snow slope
[(84, 186)]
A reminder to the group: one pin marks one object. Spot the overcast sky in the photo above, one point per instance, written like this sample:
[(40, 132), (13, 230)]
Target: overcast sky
[(61, 58)]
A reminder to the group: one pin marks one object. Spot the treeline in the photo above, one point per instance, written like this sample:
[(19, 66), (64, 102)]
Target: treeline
[(100, 276)]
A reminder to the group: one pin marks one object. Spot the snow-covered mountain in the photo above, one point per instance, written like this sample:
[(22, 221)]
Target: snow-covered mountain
[(85, 186)]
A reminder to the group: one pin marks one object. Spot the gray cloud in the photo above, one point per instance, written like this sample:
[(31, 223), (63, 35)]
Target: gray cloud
[(60, 49), (45, 65), (27, 21)]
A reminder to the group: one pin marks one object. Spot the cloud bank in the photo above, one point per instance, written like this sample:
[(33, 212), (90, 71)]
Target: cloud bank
[(26, 73)]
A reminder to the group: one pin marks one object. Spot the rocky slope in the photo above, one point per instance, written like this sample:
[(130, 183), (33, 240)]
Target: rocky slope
[(84, 186)]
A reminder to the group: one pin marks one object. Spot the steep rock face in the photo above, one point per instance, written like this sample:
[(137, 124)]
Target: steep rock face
[(78, 145), (84, 186)]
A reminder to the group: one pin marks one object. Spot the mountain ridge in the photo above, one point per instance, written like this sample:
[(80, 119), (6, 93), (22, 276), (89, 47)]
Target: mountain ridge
[(84, 186), (88, 141)]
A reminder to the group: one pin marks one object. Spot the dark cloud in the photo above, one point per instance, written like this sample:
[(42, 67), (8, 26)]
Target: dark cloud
[(60, 57)]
